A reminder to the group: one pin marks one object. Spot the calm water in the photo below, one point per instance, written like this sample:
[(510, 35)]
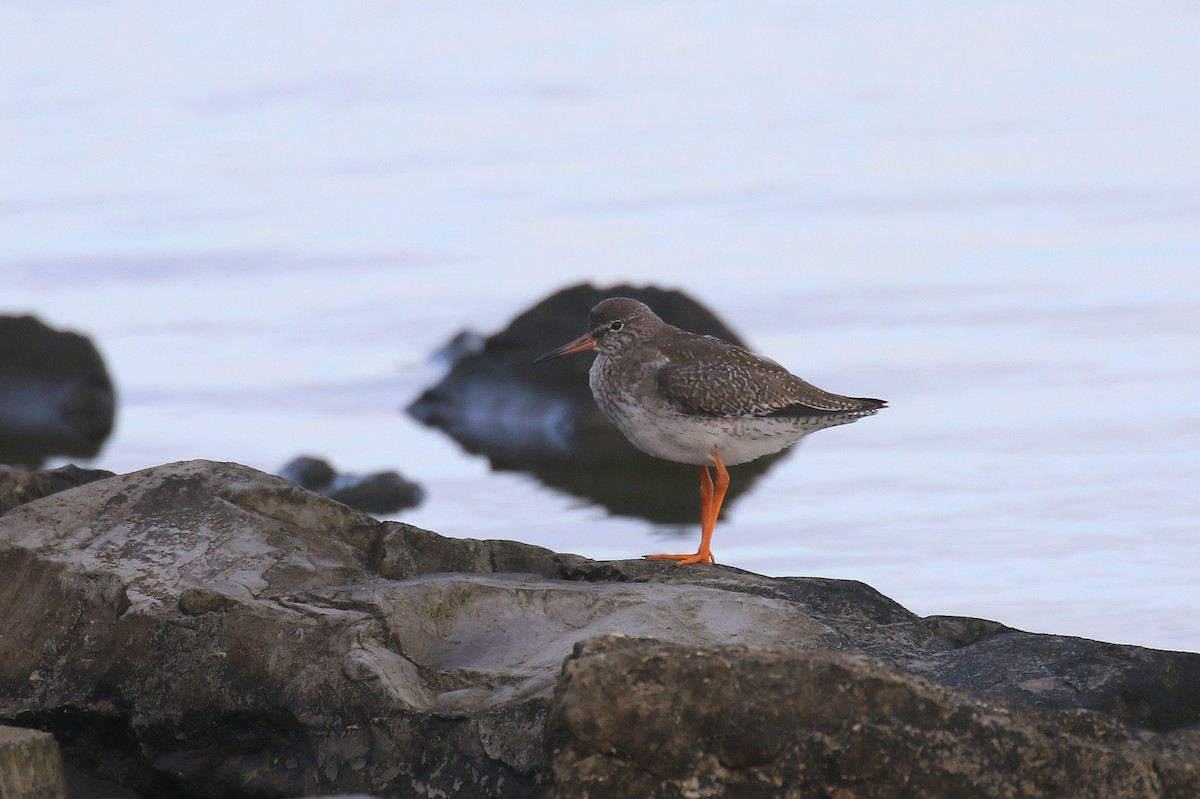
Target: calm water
[(269, 216)]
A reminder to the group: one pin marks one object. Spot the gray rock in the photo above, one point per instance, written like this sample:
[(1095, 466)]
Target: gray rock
[(642, 718), (207, 629), (205, 625)]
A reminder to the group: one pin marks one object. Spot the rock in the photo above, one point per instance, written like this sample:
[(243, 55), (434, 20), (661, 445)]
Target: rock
[(463, 343), (543, 420), (84, 786), (382, 493), (643, 718), (204, 629), (56, 397), (30, 765), (309, 472), (18, 487), (1136, 686), (174, 627)]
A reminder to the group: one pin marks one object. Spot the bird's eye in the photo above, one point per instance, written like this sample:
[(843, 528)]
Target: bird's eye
[(617, 325)]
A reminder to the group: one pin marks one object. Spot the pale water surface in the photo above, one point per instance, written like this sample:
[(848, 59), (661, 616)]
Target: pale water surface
[(268, 215)]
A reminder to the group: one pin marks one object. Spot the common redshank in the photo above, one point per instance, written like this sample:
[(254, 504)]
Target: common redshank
[(699, 400)]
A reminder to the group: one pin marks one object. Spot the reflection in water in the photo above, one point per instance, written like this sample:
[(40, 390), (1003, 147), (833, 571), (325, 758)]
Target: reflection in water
[(659, 491), (544, 421)]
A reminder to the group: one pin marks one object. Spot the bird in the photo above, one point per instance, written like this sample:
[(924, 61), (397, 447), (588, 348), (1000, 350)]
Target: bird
[(699, 400)]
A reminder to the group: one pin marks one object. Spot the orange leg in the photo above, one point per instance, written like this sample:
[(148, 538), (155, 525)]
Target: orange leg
[(706, 496), (710, 508)]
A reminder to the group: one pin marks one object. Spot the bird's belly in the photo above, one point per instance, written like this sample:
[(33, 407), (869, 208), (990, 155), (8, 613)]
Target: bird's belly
[(693, 439)]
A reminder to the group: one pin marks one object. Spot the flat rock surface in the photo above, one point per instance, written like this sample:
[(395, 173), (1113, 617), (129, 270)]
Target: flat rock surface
[(205, 628)]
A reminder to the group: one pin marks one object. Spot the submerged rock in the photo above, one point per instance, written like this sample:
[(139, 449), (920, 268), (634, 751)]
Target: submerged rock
[(56, 397), (204, 629), (382, 493)]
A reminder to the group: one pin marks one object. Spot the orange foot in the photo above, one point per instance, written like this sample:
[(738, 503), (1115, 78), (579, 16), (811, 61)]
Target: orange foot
[(703, 556)]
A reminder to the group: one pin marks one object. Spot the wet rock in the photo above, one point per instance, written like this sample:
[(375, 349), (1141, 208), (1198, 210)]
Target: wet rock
[(464, 343), (203, 629), (643, 718), (18, 486), (380, 493), (543, 420), (56, 397), (309, 472)]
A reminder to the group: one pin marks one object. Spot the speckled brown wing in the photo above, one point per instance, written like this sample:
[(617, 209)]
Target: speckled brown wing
[(705, 376)]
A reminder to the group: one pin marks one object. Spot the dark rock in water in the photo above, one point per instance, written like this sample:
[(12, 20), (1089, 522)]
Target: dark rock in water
[(18, 487), (202, 629), (379, 492), (56, 397), (309, 472), (464, 343), (543, 420), (643, 718)]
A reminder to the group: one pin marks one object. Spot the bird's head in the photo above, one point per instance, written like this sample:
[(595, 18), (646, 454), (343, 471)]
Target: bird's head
[(615, 325)]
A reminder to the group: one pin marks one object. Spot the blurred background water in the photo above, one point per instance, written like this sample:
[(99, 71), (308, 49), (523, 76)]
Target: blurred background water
[(269, 216)]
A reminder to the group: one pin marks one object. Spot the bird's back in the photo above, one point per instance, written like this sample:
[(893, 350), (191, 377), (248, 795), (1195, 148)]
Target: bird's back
[(706, 376)]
